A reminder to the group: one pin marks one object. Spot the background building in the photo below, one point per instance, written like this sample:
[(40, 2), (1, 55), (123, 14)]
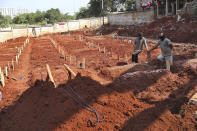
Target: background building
[(13, 11)]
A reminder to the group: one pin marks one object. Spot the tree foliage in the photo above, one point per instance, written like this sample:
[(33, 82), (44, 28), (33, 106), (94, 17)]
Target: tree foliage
[(94, 8), (41, 17), (5, 20)]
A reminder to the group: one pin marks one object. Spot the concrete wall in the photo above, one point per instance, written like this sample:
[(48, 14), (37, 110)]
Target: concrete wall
[(191, 8), (64, 27), (133, 18)]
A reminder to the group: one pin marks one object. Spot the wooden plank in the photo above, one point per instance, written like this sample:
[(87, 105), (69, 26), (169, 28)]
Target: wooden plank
[(69, 69), (50, 75)]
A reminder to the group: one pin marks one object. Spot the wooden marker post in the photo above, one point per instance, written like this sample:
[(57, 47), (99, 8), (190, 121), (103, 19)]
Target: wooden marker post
[(64, 55), (6, 71), (68, 68), (8, 66), (20, 52), (79, 64), (104, 50), (125, 58), (50, 75), (2, 79), (70, 59), (12, 64), (99, 49), (74, 60), (84, 63), (16, 60)]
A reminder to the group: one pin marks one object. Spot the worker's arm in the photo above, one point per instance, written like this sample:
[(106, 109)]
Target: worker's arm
[(155, 47), (146, 46), (170, 44)]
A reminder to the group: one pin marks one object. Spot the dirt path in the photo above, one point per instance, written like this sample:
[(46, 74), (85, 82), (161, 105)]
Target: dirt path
[(18, 79)]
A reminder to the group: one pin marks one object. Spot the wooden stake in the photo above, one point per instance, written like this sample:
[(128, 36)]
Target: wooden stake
[(99, 49), (79, 64), (83, 63), (8, 66), (6, 71), (12, 64), (125, 58), (2, 79), (104, 50), (74, 60), (17, 60), (64, 56), (68, 68), (50, 75), (70, 59)]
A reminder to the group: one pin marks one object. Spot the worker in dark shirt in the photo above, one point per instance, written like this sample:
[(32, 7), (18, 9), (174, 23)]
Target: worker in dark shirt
[(139, 42)]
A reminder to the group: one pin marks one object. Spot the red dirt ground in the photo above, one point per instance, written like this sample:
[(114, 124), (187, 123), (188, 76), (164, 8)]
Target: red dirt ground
[(145, 97)]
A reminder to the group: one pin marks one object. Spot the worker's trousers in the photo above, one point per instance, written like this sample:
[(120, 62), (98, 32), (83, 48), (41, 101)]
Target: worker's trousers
[(162, 58), (135, 56)]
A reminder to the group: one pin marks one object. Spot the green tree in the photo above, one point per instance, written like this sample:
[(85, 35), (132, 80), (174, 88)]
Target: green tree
[(39, 17), (5, 21), (30, 18), (65, 17), (95, 8), (20, 19), (83, 13), (53, 15)]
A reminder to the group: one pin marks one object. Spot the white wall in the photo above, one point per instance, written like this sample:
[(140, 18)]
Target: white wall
[(68, 26), (133, 18)]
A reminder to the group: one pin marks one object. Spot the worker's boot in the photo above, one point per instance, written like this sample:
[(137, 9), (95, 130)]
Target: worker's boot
[(136, 58), (168, 65)]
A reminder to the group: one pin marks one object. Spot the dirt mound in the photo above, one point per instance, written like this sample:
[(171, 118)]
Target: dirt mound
[(184, 31), (43, 107), (39, 108)]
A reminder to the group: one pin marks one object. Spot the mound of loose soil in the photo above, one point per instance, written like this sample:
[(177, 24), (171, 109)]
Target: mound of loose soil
[(129, 103), (184, 31)]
